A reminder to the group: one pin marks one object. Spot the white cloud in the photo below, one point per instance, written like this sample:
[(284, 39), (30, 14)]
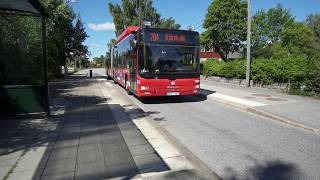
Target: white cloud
[(107, 26)]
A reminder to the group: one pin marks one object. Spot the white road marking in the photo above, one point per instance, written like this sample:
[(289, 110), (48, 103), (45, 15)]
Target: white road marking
[(236, 100)]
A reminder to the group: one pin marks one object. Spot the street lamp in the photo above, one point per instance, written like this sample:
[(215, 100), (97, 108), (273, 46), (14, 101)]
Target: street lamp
[(248, 45)]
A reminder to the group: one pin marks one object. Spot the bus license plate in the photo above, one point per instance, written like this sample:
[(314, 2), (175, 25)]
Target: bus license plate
[(173, 93)]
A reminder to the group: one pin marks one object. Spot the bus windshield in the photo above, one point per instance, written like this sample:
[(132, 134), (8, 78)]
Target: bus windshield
[(161, 58)]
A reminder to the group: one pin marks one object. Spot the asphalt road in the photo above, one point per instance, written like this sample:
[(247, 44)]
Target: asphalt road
[(234, 144)]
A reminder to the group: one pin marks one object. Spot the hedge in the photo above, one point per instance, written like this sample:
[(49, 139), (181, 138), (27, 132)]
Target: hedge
[(298, 71)]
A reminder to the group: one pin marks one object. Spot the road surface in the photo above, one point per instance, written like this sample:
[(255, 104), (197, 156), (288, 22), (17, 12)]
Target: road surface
[(234, 144)]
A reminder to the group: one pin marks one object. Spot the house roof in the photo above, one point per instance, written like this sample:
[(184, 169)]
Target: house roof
[(28, 6)]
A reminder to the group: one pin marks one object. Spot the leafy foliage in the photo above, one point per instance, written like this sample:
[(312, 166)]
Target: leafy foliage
[(226, 26), (62, 36), (269, 25), (297, 38), (133, 12), (313, 21), (21, 60), (266, 71)]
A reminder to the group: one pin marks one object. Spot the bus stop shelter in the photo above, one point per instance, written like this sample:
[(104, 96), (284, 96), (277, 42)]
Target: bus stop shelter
[(23, 62)]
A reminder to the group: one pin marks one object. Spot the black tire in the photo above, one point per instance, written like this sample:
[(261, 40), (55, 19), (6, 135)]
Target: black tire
[(115, 80), (108, 77)]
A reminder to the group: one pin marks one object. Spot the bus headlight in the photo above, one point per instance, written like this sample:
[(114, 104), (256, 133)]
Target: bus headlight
[(143, 88), (197, 81), (197, 86)]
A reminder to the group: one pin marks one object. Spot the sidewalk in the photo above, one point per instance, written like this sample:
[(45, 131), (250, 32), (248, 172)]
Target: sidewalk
[(302, 112), (91, 135)]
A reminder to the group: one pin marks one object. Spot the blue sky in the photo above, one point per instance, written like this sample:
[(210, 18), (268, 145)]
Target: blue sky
[(98, 20)]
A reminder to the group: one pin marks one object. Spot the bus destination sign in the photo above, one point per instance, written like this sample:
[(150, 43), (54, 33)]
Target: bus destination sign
[(171, 37), (155, 37)]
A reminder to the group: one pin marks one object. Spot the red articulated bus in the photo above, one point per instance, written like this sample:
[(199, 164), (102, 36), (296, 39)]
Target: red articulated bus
[(156, 62)]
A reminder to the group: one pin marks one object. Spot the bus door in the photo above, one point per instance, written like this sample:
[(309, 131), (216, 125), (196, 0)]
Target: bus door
[(110, 68), (133, 74)]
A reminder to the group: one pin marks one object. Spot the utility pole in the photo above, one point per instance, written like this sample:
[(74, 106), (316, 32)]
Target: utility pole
[(248, 45), (138, 3)]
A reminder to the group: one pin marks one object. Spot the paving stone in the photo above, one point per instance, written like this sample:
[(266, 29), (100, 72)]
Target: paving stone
[(64, 153), (141, 150), (4, 170), (109, 128), (34, 155), (111, 137), (131, 133), (115, 146), (126, 125), (148, 161), (8, 161), (66, 142), (59, 176), (71, 124), (68, 129), (91, 170), (68, 136), (90, 156), (91, 146), (128, 171), (22, 175), (89, 130), (88, 139), (155, 169), (90, 123), (136, 141), (60, 166), (118, 157)]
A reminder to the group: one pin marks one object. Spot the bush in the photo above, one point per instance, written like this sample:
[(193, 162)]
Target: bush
[(211, 67), (312, 76), (291, 69), (233, 69)]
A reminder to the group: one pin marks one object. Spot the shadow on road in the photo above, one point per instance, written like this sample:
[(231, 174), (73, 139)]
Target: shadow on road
[(172, 99), (275, 170)]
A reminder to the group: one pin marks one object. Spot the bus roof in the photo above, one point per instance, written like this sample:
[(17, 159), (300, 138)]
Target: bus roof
[(127, 32)]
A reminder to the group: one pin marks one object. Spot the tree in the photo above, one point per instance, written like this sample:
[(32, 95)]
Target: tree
[(298, 38), (111, 43), (59, 34), (268, 26), (134, 12), (168, 23), (79, 36), (313, 21), (226, 26), (62, 36)]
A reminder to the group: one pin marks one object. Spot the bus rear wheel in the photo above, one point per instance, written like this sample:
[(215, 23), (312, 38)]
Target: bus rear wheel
[(114, 79)]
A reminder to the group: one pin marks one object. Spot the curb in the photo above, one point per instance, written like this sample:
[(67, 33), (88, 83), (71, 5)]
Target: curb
[(263, 114), (176, 157)]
